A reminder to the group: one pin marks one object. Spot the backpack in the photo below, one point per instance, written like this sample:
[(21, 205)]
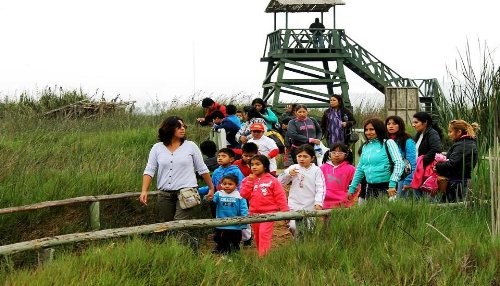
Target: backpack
[(278, 138), (407, 165)]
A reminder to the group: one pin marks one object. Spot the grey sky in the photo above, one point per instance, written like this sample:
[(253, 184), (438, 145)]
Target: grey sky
[(147, 50)]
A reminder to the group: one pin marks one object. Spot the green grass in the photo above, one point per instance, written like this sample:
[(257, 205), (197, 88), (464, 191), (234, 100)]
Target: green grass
[(352, 249)]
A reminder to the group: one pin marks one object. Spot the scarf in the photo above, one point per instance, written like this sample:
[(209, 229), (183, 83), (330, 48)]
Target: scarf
[(335, 130)]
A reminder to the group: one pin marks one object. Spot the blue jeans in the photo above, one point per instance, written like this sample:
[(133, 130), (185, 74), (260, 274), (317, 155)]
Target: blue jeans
[(318, 40), (417, 194)]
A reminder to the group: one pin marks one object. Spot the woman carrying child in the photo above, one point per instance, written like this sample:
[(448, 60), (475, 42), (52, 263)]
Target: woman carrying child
[(308, 187), (338, 173), (265, 195), (462, 158)]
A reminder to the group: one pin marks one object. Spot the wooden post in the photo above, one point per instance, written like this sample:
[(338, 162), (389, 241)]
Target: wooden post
[(45, 255), (94, 209)]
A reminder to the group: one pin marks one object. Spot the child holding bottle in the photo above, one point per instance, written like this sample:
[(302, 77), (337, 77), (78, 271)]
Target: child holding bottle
[(308, 187)]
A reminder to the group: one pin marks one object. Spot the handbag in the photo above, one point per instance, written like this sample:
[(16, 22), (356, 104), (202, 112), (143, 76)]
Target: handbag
[(353, 137), (406, 168), (188, 198)]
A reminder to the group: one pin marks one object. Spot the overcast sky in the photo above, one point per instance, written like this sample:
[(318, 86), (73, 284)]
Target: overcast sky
[(148, 50)]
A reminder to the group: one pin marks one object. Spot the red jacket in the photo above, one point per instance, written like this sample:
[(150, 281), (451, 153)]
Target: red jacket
[(244, 168), (216, 106), (265, 194)]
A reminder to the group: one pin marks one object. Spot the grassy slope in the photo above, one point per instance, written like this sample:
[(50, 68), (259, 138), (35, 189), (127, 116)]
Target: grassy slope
[(44, 159)]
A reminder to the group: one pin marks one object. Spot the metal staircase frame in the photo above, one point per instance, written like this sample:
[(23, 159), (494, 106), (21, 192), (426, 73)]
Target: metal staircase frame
[(292, 49)]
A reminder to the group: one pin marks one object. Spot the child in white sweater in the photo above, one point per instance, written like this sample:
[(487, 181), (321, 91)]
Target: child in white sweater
[(307, 191)]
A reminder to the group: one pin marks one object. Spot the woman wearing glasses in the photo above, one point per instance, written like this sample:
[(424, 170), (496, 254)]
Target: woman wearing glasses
[(176, 160)]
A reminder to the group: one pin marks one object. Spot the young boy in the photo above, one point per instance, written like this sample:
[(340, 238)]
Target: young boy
[(225, 159), (229, 203), (248, 150), (267, 146), (231, 128)]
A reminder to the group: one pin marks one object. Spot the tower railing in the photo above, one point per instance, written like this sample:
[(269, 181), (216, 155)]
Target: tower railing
[(301, 43)]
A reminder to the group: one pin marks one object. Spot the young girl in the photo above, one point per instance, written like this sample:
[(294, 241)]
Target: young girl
[(229, 203), (265, 195), (338, 173), (308, 186)]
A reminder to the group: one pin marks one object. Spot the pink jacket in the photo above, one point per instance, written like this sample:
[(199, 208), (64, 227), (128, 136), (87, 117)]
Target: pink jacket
[(337, 180), (422, 174), (264, 193)]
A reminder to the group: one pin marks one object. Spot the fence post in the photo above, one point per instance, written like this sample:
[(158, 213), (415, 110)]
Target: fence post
[(45, 255), (95, 223)]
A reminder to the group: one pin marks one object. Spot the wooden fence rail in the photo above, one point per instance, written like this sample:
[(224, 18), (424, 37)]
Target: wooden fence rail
[(48, 242), (84, 199)]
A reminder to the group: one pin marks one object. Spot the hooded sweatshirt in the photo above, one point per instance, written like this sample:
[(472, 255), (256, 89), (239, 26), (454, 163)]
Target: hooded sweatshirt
[(264, 193), (230, 205), (307, 189), (337, 180)]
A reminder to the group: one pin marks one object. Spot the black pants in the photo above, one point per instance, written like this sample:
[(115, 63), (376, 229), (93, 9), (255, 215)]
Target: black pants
[(455, 192), (376, 190), (228, 240)]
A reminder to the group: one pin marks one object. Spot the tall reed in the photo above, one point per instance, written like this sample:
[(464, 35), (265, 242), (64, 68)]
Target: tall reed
[(475, 97)]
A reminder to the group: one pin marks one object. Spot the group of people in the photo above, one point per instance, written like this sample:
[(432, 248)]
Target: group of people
[(250, 185)]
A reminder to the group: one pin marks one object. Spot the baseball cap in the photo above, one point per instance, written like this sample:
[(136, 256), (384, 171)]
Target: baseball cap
[(257, 126)]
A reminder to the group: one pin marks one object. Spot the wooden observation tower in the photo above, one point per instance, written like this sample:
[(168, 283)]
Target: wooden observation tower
[(305, 69)]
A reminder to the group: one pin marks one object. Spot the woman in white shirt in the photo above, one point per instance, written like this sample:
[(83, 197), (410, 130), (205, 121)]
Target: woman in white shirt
[(176, 160)]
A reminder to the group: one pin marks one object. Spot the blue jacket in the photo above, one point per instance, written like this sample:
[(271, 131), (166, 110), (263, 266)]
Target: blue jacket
[(375, 166), (218, 174), (230, 205), (234, 119), (410, 154), (231, 130)]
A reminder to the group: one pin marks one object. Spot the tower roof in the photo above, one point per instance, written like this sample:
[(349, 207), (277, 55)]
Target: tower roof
[(293, 6)]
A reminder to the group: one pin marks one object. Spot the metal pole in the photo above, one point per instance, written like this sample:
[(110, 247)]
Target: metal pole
[(286, 20), (274, 21), (334, 26)]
